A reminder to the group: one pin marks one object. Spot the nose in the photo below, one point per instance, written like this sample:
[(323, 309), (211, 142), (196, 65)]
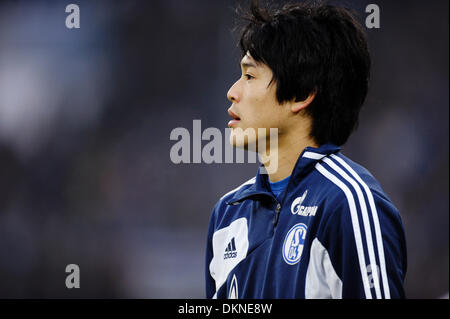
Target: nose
[(233, 95)]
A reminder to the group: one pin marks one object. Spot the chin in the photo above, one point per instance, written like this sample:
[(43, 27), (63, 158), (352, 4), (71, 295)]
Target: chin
[(245, 139), (235, 142)]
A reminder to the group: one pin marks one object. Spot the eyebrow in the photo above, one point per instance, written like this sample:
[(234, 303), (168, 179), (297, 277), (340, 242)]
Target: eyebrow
[(247, 65)]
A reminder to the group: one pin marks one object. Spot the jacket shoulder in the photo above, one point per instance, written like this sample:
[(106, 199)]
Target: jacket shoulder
[(346, 183), (219, 211), (241, 187)]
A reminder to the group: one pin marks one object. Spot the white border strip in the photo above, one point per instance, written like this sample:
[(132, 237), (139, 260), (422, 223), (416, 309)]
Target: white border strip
[(376, 222), (250, 181), (313, 155), (355, 223)]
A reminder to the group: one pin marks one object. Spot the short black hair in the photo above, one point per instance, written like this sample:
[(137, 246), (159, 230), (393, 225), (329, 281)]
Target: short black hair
[(313, 47)]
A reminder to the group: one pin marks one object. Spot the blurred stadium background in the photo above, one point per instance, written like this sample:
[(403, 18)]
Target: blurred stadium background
[(85, 118)]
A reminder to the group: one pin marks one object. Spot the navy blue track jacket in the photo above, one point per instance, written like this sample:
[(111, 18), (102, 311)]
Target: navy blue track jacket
[(334, 233)]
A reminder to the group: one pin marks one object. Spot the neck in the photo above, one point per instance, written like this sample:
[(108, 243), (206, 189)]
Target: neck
[(280, 160)]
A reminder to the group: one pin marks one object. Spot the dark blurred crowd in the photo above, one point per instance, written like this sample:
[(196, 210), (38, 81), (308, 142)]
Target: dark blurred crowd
[(85, 118)]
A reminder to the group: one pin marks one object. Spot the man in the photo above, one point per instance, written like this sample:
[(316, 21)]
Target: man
[(320, 226)]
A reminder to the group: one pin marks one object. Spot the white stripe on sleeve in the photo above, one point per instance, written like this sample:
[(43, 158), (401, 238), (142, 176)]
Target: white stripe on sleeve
[(355, 224), (376, 222), (366, 222)]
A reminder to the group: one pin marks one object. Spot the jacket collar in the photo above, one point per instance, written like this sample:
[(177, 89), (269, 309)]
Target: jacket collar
[(305, 163)]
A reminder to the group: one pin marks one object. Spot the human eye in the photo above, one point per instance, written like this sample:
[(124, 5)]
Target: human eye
[(248, 76)]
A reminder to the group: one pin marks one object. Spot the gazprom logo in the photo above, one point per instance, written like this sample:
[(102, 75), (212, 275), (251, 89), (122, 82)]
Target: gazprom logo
[(298, 209), (293, 244)]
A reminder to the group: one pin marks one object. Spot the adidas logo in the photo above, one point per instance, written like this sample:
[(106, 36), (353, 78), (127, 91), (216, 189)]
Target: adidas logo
[(230, 251)]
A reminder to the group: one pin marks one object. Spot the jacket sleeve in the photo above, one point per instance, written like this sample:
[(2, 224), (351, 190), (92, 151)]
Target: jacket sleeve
[(366, 247), (209, 281)]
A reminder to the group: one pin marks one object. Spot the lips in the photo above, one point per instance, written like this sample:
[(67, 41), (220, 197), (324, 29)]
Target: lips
[(235, 118), (233, 115)]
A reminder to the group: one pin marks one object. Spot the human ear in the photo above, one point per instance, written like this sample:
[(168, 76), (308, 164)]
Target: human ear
[(301, 105)]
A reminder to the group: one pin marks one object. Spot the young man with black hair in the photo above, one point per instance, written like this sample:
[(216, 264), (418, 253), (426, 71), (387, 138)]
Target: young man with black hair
[(320, 226)]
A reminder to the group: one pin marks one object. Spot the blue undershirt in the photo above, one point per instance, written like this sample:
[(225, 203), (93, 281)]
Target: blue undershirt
[(278, 187)]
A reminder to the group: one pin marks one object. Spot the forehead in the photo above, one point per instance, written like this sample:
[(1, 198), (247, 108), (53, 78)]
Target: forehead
[(247, 60)]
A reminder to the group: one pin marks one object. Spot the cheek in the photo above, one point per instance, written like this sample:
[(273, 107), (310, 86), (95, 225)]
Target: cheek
[(261, 108), (270, 112)]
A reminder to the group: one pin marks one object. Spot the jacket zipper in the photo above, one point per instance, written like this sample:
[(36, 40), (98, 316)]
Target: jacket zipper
[(277, 214), (277, 207)]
